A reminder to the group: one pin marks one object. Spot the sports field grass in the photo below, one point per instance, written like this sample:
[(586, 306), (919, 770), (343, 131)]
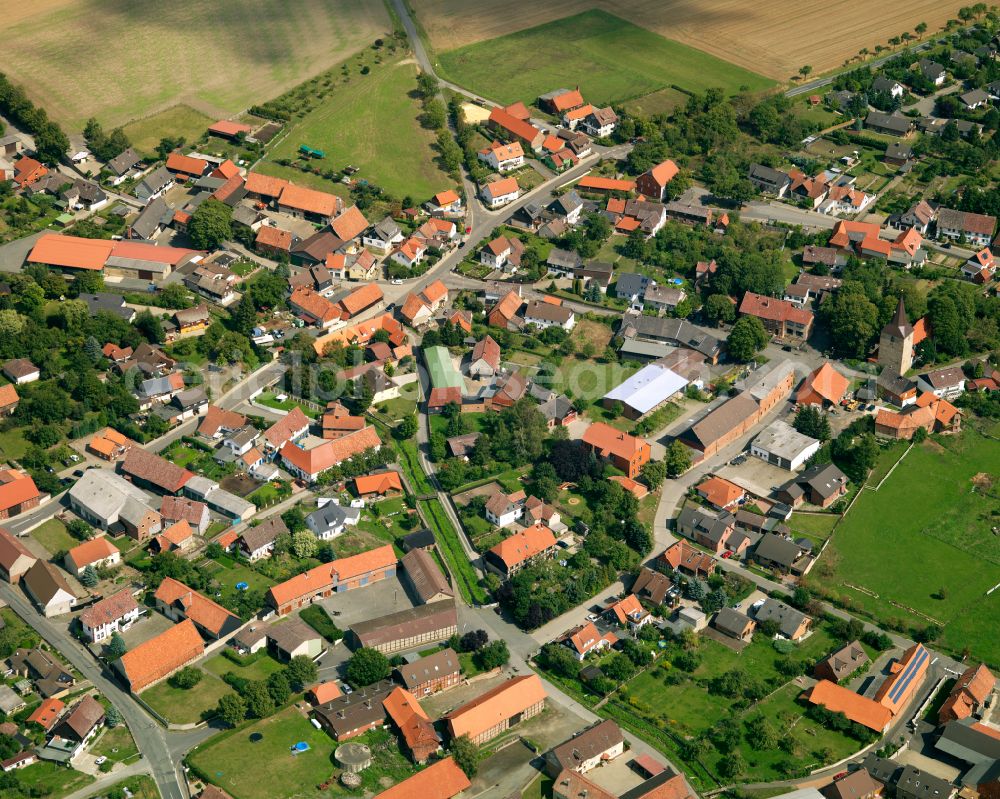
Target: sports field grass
[(610, 59), (119, 61), (924, 532), (371, 122)]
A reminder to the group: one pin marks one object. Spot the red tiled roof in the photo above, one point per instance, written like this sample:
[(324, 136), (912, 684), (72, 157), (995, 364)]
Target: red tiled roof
[(275, 237), (185, 164), (332, 451), (217, 418), (158, 471), (502, 187), (566, 100), (361, 298), (109, 609), (226, 169), (197, 607), (159, 656), (489, 709), (47, 714), (606, 440), (524, 545), (143, 251), (349, 224), (443, 780), (71, 252), (518, 128), (93, 551), (445, 198), (308, 200), (315, 305), (719, 492), (381, 483), (664, 172), (225, 127), (265, 185), (825, 383), (18, 489), (595, 183), (860, 709), (286, 427)]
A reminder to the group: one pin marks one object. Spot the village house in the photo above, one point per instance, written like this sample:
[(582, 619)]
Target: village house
[(424, 578), (18, 493), (115, 613), (15, 557), (432, 673), (974, 229), (625, 452), (414, 725), (586, 638), (780, 318), (503, 157), (500, 192), (734, 624), (710, 530), (681, 556), (821, 485), (783, 446), (843, 663), (258, 542), (653, 182), (503, 252), (178, 602), (99, 553), (344, 574), (628, 613), (331, 520), (520, 549), (791, 623), (594, 746), (48, 589)]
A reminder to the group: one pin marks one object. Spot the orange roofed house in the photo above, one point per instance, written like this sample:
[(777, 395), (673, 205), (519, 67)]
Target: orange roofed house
[(159, 657), (18, 493), (823, 386), (780, 317), (361, 299), (70, 252), (720, 493), (520, 549), (514, 129), (381, 484), (309, 464), (324, 580), (443, 780), (496, 711), (414, 725), (178, 602), (186, 166), (625, 452), (653, 183), (598, 185), (968, 695)]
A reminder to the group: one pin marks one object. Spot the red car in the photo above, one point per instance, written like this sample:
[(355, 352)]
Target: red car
[(728, 553), (468, 230)]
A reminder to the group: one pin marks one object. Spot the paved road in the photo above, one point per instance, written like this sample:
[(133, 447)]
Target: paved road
[(819, 83), (149, 736)]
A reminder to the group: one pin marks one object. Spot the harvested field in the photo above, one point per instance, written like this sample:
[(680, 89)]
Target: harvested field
[(207, 54), (771, 37), (609, 58)]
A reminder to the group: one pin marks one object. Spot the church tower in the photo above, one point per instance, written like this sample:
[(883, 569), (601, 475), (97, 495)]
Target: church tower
[(895, 345)]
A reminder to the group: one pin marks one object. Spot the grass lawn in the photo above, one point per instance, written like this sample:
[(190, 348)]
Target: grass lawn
[(27, 637), (181, 706), (815, 526), (893, 541), (268, 768), (611, 60), (48, 779), (116, 745), (370, 122), (398, 408), (184, 455), (53, 536), (450, 546), (13, 444), (587, 379), (260, 669), (268, 399), (540, 788), (180, 120), (229, 575)]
